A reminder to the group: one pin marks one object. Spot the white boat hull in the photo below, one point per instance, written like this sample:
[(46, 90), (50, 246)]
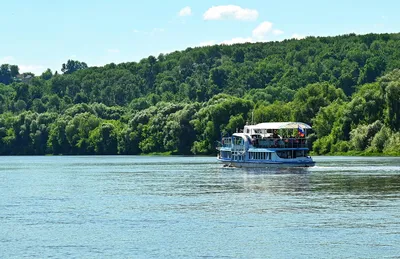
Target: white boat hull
[(270, 164)]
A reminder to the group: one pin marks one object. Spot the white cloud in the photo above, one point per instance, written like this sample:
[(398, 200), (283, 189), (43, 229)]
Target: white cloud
[(226, 42), (298, 36), (36, 69), (207, 43), (230, 12), (262, 30), (277, 32), (237, 40), (7, 60), (186, 11), (259, 34), (113, 50)]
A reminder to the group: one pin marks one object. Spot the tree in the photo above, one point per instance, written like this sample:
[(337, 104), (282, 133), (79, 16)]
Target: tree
[(390, 86), (72, 66), (308, 101), (46, 75), (5, 74), (180, 102), (14, 70), (104, 139), (20, 105)]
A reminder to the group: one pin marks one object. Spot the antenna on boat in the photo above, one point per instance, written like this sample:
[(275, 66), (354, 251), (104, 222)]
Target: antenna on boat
[(252, 117)]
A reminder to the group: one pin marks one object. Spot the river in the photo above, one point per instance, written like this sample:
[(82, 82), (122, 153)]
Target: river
[(191, 207)]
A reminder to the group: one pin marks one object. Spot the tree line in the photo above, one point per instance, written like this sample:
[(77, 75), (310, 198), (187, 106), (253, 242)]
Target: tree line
[(347, 87)]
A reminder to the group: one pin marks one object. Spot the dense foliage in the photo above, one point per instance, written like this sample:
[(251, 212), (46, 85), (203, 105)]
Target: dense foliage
[(347, 87)]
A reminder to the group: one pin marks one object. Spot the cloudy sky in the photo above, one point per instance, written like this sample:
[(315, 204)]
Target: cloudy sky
[(41, 34)]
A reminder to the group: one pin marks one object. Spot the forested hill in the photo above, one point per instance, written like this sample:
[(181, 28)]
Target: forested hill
[(347, 87)]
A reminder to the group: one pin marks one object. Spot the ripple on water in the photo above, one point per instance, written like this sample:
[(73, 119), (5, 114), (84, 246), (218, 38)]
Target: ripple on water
[(172, 207)]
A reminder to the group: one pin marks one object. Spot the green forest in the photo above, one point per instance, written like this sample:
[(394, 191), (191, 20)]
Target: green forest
[(347, 87)]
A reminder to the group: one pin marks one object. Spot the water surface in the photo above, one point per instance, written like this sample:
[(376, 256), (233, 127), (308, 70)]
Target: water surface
[(191, 207)]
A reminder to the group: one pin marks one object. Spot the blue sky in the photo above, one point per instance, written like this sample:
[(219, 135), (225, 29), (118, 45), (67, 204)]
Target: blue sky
[(41, 34)]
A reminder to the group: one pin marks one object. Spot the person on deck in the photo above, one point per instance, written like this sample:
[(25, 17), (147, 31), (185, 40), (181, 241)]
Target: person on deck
[(275, 134)]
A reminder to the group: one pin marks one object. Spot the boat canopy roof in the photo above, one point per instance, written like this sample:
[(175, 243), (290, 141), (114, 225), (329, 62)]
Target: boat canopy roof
[(279, 125)]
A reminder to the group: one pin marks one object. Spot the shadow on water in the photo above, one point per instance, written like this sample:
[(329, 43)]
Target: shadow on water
[(294, 170)]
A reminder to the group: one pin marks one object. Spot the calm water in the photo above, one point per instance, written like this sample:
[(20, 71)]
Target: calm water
[(191, 207)]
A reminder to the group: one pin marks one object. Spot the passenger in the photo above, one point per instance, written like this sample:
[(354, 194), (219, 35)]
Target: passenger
[(275, 134)]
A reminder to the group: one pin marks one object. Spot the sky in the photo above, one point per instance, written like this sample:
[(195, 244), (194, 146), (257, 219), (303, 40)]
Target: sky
[(41, 34)]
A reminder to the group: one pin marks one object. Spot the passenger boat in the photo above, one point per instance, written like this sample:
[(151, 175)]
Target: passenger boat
[(274, 144)]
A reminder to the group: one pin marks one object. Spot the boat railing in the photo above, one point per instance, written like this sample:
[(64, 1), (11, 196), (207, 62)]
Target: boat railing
[(238, 148), (280, 143), (226, 142)]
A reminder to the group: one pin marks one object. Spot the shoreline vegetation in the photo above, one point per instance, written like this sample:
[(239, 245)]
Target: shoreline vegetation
[(166, 154), (347, 87)]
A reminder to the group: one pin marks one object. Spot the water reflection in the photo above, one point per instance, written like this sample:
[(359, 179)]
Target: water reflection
[(269, 180), (294, 170), (289, 182), (334, 176), (335, 183)]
